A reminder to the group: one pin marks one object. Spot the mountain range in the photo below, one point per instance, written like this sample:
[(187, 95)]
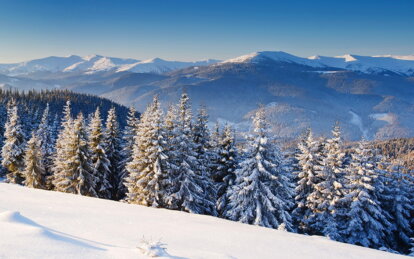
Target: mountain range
[(371, 96)]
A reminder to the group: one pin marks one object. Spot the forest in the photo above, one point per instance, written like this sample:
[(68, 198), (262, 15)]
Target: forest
[(359, 193)]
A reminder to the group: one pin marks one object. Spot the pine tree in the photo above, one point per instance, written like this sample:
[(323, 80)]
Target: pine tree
[(127, 149), (262, 193), (186, 186), (73, 172), (99, 160), (34, 171), (227, 163), (206, 157), (112, 144), (13, 148), (366, 223), (60, 167), (325, 198), (308, 157), (46, 144), (395, 197), (148, 169)]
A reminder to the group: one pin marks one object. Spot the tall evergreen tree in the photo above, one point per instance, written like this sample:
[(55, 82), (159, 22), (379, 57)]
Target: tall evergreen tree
[(44, 135), (100, 162), (206, 156), (366, 222), (149, 168), (262, 193), (128, 136), (112, 144), (75, 173), (187, 186), (34, 171), (309, 158), (60, 167), (395, 197), (227, 163), (13, 148), (326, 210)]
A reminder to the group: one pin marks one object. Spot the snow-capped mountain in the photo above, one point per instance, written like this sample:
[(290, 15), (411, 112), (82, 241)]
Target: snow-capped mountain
[(403, 65), (159, 66), (96, 63), (371, 96)]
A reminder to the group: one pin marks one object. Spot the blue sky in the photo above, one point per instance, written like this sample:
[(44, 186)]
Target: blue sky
[(191, 30)]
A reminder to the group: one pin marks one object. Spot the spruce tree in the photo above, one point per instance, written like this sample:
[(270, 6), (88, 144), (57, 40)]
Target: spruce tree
[(59, 166), (326, 210), (206, 156), (186, 185), (73, 172), (44, 134), (262, 193), (227, 163), (112, 144), (366, 223), (147, 172), (394, 194), (128, 136), (308, 162), (13, 148), (34, 171), (99, 160)]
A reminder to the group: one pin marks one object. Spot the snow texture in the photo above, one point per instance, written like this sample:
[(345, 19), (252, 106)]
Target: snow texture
[(42, 224)]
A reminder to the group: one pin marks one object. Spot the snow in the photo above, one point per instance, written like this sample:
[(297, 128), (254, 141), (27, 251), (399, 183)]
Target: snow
[(365, 64), (95, 63), (44, 224), (273, 55), (157, 65)]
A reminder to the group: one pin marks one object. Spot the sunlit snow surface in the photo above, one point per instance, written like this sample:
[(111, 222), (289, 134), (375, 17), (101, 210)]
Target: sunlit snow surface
[(45, 224)]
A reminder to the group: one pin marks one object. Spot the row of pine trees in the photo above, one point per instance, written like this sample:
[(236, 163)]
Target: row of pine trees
[(173, 161)]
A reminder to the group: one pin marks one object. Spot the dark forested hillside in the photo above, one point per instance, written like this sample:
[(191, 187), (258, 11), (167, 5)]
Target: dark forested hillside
[(32, 103)]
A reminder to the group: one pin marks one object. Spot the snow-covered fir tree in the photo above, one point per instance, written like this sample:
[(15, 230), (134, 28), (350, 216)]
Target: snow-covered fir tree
[(59, 165), (187, 187), (227, 163), (99, 160), (73, 172), (394, 192), (148, 170), (324, 200), (44, 134), (206, 156), (308, 158), (13, 148), (127, 149), (112, 144), (366, 222), (34, 171), (261, 194)]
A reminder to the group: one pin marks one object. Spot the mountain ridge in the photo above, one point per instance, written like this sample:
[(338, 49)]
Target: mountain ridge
[(377, 64)]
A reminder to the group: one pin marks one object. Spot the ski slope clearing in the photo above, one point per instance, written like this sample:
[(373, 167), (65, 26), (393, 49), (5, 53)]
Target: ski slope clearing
[(45, 224)]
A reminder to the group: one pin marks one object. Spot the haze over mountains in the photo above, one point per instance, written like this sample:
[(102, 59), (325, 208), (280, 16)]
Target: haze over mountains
[(371, 96)]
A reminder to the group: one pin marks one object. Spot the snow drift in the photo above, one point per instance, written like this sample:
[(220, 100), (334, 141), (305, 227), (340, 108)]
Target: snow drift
[(44, 224)]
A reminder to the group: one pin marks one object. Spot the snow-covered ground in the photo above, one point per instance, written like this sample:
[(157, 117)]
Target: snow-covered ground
[(44, 224)]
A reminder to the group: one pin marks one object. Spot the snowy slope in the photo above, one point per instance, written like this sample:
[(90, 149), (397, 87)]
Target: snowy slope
[(45, 224), (366, 64)]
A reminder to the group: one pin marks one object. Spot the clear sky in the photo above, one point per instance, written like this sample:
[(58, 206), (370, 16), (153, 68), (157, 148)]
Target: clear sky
[(198, 29)]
